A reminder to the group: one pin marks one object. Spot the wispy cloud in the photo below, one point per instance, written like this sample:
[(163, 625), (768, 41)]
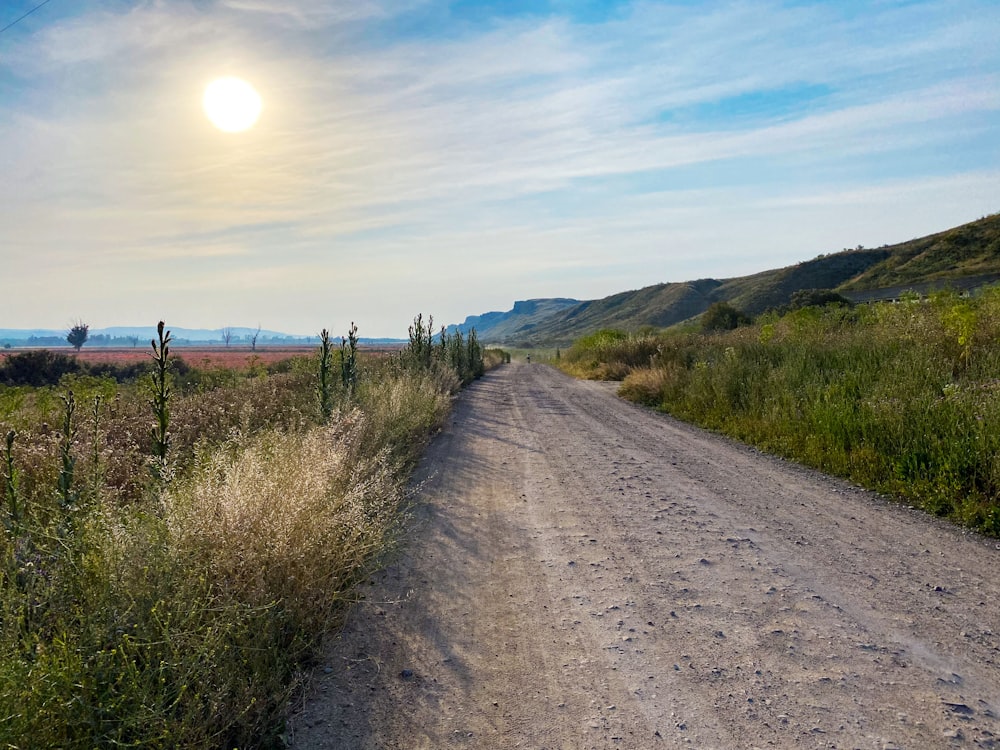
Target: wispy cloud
[(107, 35), (479, 161), (311, 14)]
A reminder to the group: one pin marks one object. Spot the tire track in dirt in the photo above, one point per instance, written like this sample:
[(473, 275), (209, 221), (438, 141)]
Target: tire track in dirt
[(583, 573)]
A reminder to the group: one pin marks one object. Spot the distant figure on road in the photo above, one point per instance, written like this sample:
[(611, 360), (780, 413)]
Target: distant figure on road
[(528, 358)]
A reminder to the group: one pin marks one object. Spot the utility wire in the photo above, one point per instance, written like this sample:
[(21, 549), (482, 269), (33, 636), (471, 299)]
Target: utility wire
[(44, 2)]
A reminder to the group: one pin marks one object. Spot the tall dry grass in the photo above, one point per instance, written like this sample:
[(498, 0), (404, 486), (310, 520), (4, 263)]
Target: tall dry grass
[(182, 614), (609, 354)]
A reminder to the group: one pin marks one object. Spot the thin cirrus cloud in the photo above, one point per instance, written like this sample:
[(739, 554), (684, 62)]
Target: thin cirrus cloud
[(416, 154)]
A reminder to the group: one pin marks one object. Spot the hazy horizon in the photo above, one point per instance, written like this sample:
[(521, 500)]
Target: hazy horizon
[(445, 158)]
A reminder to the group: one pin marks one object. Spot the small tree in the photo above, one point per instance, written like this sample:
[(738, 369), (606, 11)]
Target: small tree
[(421, 347), (227, 335), (457, 354), (78, 335), (349, 359), (253, 339), (818, 298), (474, 359), (721, 316)]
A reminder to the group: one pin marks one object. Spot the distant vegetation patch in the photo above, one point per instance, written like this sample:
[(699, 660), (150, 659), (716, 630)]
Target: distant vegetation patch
[(610, 355)]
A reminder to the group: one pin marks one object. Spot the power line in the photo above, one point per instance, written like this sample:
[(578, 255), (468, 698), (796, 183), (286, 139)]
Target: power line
[(16, 20)]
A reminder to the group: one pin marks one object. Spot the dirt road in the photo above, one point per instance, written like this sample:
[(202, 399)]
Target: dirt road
[(583, 573)]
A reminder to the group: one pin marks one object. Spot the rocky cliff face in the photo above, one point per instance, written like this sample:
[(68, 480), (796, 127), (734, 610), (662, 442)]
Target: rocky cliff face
[(499, 326)]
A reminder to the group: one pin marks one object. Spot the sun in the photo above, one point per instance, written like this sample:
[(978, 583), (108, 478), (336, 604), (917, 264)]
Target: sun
[(232, 104)]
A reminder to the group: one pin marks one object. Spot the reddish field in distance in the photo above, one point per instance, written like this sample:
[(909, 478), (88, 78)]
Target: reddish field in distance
[(198, 356)]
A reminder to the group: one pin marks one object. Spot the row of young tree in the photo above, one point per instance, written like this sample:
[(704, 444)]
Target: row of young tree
[(425, 350)]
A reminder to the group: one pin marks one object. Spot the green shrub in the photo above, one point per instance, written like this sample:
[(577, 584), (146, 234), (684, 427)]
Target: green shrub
[(609, 354), (818, 298), (37, 368), (721, 316)]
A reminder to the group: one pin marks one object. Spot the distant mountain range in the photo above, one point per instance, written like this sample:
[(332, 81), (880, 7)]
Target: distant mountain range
[(142, 335), (965, 257)]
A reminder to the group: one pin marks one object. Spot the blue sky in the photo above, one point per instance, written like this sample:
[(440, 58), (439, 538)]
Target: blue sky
[(449, 158)]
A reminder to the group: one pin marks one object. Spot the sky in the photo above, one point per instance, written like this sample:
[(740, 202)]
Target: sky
[(449, 158)]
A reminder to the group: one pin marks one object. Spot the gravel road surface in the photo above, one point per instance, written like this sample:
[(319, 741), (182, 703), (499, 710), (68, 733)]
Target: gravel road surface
[(583, 573)]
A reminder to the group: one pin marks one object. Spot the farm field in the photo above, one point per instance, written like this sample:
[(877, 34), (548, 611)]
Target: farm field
[(198, 356)]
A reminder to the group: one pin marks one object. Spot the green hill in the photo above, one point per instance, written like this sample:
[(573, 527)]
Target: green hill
[(966, 256), (969, 250), (660, 306), (756, 293)]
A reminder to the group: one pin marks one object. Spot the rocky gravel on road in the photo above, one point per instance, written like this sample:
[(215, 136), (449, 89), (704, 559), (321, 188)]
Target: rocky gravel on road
[(584, 573)]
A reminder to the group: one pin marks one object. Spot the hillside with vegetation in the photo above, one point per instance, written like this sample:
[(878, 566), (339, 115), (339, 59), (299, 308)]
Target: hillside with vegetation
[(970, 252), (519, 321), (658, 306)]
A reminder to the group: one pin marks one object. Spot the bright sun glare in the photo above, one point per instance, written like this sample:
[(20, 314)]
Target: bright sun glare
[(231, 104)]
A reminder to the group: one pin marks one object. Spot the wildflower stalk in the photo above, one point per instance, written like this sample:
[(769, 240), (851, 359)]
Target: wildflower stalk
[(10, 483), (349, 359), (160, 402), (96, 469), (325, 365), (67, 460)]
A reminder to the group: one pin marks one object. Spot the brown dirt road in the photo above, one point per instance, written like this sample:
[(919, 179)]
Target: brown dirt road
[(584, 573)]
